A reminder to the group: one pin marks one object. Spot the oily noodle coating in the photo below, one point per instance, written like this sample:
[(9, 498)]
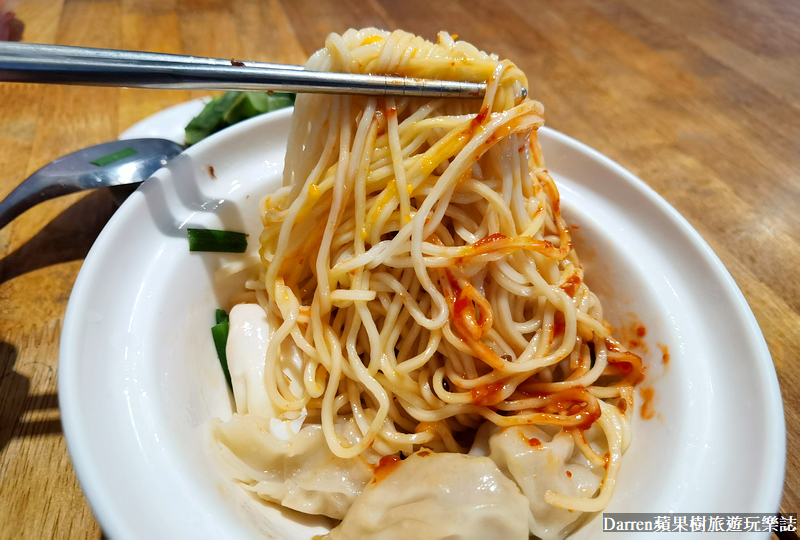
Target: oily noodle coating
[(417, 258)]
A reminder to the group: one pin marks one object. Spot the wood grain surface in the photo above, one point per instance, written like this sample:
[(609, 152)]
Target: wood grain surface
[(700, 99)]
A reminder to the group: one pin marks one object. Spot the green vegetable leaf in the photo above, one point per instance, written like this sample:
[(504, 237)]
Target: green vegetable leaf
[(114, 156), (232, 107), (210, 118), (216, 240), (220, 334)]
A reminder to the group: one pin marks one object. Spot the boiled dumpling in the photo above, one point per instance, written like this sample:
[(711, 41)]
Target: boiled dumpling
[(430, 495), (250, 334), (246, 350), (538, 463), (300, 473)]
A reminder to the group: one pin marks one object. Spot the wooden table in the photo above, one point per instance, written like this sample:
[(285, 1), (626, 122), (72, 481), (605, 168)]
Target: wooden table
[(700, 99)]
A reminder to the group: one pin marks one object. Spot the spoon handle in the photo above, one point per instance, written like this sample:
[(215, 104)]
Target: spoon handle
[(30, 193), (90, 168)]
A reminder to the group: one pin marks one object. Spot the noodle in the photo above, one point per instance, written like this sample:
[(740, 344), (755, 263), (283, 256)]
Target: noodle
[(417, 261)]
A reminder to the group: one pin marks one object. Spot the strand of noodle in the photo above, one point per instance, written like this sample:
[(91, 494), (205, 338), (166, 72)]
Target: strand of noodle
[(369, 128), (502, 309), (340, 187), (329, 414), (399, 420), (416, 362), (401, 442), (473, 382), (397, 162), (360, 416), (425, 389), (408, 392), (368, 382), (600, 363), (455, 341), (285, 232), (289, 311), (611, 423), (448, 411)]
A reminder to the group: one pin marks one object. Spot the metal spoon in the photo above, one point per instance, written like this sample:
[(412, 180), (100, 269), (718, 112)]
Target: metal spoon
[(116, 163)]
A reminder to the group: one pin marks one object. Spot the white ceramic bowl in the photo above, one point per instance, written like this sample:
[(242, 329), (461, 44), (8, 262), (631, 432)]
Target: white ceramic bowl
[(139, 377)]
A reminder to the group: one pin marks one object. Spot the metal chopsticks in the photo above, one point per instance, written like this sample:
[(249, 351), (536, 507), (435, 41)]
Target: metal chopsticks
[(56, 64), (60, 51)]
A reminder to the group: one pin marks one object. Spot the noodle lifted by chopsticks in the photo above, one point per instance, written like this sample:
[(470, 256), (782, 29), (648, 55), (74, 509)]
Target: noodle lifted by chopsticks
[(417, 260)]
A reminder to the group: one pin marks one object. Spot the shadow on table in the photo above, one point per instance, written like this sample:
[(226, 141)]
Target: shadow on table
[(66, 238), (17, 402)]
